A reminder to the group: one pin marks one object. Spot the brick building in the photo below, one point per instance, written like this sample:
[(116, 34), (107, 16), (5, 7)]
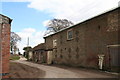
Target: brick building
[(5, 23), (39, 53), (91, 43)]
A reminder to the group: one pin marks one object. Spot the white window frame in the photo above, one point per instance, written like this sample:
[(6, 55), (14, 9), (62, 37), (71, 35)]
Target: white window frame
[(68, 38)]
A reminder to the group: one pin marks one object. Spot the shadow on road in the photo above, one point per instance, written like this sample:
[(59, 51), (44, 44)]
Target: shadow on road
[(18, 70)]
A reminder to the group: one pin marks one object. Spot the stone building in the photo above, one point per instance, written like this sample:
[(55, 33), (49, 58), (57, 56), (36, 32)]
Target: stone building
[(5, 27), (93, 43), (30, 55), (39, 53)]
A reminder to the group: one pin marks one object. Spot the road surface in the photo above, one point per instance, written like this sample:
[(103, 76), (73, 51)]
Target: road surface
[(47, 71)]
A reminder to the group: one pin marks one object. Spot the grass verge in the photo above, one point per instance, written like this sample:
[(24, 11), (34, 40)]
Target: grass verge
[(14, 57)]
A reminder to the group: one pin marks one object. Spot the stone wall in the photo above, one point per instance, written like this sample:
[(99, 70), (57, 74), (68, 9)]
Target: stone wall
[(5, 24), (90, 38)]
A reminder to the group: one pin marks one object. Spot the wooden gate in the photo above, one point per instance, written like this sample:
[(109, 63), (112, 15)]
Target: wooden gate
[(114, 52)]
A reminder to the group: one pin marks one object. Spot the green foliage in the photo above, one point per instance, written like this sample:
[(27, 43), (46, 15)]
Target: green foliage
[(14, 57)]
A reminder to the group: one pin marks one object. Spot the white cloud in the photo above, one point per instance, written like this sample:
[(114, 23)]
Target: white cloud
[(74, 10), (16, 0), (45, 23), (35, 37), (29, 30)]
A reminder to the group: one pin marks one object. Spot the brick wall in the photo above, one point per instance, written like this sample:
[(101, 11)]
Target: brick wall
[(5, 45), (90, 38)]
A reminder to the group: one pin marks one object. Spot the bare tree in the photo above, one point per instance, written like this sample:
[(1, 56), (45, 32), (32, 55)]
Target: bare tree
[(56, 25), (13, 41)]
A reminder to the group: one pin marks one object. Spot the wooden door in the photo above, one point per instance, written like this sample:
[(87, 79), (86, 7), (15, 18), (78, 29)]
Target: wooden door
[(49, 57), (114, 56)]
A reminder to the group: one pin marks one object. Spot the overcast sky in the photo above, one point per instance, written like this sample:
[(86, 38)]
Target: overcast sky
[(30, 16)]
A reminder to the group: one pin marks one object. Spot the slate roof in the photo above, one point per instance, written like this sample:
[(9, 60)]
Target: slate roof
[(40, 46)]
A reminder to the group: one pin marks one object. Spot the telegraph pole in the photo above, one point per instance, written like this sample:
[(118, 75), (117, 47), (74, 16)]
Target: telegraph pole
[(27, 52), (28, 42)]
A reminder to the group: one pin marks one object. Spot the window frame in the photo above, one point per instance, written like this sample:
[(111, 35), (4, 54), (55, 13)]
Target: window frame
[(54, 43), (68, 34)]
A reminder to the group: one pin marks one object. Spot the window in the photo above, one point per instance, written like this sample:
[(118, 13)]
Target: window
[(69, 34), (54, 43)]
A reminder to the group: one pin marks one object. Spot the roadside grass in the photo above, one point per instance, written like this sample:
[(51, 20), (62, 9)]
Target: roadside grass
[(14, 57)]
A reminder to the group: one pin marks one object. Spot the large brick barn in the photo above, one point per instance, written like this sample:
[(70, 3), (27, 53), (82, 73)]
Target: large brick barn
[(91, 43), (5, 26)]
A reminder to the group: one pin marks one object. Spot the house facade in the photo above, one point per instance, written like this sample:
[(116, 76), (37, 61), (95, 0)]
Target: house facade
[(93, 43), (39, 53), (5, 27)]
